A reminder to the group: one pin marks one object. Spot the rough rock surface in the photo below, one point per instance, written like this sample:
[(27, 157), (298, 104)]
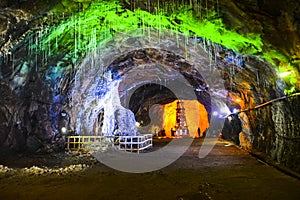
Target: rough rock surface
[(125, 121), (34, 99)]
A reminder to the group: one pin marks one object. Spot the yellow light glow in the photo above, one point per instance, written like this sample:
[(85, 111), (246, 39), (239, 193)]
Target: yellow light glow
[(285, 74), (196, 116), (137, 124), (63, 129), (238, 100)]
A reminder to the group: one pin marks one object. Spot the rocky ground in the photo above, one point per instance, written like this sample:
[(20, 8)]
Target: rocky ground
[(226, 173), (35, 165)]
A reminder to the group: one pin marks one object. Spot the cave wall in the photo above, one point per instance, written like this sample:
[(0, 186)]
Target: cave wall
[(272, 129), (275, 129), (286, 140), (33, 96)]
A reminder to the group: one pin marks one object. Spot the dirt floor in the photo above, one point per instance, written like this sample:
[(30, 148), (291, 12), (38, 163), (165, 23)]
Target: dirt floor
[(226, 173)]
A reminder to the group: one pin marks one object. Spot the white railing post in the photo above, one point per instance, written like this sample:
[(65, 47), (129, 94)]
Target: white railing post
[(131, 143)]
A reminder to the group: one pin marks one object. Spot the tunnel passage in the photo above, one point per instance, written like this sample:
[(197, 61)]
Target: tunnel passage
[(135, 67), (244, 82), (137, 71), (36, 91), (145, 97), (118, 65), (149, 94), (156, 105), (197, 67)]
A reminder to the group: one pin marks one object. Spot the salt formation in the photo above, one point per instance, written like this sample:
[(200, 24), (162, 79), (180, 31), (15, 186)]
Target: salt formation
[(117, 119)]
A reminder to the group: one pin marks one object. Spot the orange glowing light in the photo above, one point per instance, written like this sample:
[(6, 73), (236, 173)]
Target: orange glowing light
[(196, 116), (238, 100)]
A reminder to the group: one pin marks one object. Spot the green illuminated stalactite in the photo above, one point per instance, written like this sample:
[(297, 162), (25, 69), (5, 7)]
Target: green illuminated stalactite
[(99, 21), (116, 18)]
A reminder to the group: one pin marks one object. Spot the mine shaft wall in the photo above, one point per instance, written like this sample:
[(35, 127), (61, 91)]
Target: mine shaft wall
[(276, 131)]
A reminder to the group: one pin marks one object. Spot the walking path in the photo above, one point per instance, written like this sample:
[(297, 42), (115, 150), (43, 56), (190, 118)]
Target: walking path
[(226, 173)]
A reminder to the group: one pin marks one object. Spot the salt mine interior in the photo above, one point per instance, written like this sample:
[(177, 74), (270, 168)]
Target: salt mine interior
[(149, 99)]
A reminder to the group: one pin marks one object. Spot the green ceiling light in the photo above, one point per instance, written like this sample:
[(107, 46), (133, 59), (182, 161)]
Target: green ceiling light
[(286, 70), (289, 74)]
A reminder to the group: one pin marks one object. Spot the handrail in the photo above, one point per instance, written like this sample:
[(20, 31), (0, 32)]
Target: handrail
[(135, 143), (124, 143), (263, 104)]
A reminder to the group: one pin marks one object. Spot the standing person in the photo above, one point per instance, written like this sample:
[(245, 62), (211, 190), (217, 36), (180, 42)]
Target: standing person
[(199, 131)]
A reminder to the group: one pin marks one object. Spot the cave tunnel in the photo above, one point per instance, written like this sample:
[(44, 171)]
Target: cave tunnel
[(225, 72)]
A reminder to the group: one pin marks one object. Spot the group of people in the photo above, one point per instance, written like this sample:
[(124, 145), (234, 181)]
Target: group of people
[(162, 133)]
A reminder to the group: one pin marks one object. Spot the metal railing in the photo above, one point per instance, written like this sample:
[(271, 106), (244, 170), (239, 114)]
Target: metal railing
[(76, 143), (135, 143), (123, 143)]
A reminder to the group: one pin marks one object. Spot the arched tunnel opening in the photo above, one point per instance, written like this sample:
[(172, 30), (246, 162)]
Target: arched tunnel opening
[(155, 107), (155, 98), (147, 100), (224, 74)]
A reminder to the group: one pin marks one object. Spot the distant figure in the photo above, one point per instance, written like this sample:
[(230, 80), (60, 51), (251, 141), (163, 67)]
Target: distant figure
[(199, 131), (163, 133), (172, 132), (204, 133)]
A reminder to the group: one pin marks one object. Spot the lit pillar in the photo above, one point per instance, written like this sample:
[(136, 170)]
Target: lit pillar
[(181, 125)]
